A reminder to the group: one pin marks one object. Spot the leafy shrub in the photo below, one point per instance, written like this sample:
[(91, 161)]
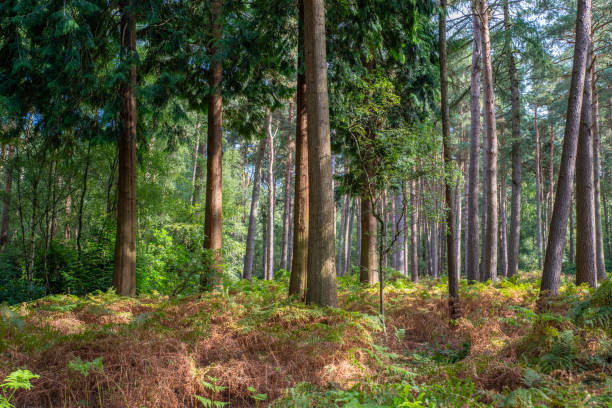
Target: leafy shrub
[(17, 380)]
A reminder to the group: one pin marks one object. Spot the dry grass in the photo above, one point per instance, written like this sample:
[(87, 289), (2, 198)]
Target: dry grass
[(156, 352)]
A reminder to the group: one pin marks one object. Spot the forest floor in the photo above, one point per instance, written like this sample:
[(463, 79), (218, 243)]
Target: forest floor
[(250, 346)]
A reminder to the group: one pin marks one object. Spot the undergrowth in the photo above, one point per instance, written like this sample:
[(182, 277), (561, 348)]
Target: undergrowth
[(249, 345)]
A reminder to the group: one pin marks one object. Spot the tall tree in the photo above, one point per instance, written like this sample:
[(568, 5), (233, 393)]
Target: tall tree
[(322, 288), (586, 263), (269, 269), (124, 274), (214, 166), (601, 264), (491, 236), (472, 210), (551, 275), (247, 272), (6, 200), (287, 196), (538, 186), (299, 263), (451, 223), (414, 251)]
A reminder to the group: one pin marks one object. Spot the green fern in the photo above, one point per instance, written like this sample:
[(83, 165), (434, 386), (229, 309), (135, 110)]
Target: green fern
[(17, 380)]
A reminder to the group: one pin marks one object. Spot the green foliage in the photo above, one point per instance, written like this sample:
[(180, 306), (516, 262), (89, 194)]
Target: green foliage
[(212, 386), (85, 367), (16, 380)]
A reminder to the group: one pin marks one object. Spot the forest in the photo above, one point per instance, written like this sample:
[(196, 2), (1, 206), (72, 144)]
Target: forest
[(305, 203)]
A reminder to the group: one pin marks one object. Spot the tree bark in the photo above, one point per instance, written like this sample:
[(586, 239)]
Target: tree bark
[(414, 254), (472, 267), (368, 265), (349, 239), (198, 170), (269, 271), (451, 222), (344, 213), (6, 202), (551, 275), (287, 203), (538, 187), (124, 273), (322, 289), (82, 202), (247, 272), (586, 263), (492, 235), (601, 263), (400, 221), (299, 263), (504, 226), (213, 215), (607, 224), (551, 173)]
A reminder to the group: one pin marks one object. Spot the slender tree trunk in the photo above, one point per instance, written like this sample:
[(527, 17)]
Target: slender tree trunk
[(538, 188), (485, 197), (551, 173), (504, 226), (551, 275), (299, 263), (472, 267), (124, 273), (271, 196), (348, 239), (6, 202), (435, 253), (198, 170), (400, 222), (322, 289), (287, 202), (572, 228), (607, 226), (213, 215), (492, 234), (344, 213), (414, 252), (247, 272), (451, 222), (517, 165), (586, 262), (82, 202), (601, 263), (368, 261)]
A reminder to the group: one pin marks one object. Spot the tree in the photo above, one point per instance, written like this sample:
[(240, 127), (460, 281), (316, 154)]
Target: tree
[(472, 210), (491, 236), (321, 251), (6, 201), (551, 274), (250, 246), (287, 197), (124, 274), (214, 166), (586, 263), (299, 263), (538, 186), (269, 267), (601, 264), (451, 224)]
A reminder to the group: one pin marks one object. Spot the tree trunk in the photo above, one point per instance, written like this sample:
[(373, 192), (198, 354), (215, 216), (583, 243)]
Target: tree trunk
[(551, 275), (124, 273), (451, 222), (601, 263), (287, 203), (414, 253), (322, 288), (472, 267), (607, 224), (198, 170), (551, 172), (358, 232), (299, 263), (368, 265), (247, 272), (82, 202), (538, 188), (492, 235), (400, 234), (6, 202), (348, 239), (586, 263), (344, 215), (269, 272), (344, 212), (572, 228), (213, 215), (504, 226)]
